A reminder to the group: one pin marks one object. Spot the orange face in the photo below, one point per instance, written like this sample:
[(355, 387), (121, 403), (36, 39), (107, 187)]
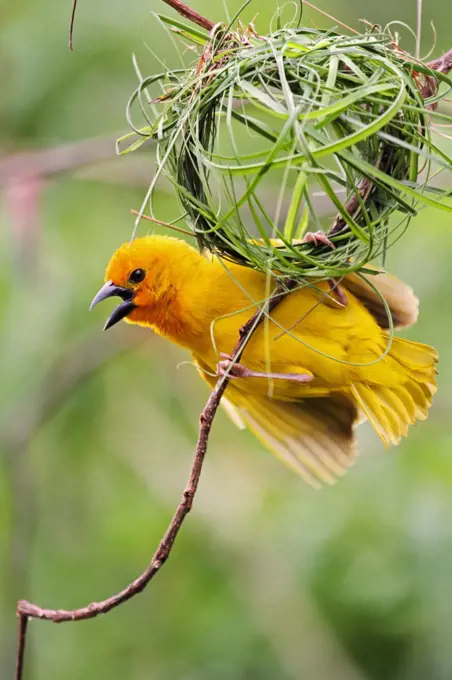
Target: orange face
[(143, 274)]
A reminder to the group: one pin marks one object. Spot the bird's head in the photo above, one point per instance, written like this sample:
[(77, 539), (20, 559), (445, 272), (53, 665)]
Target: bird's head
[(146, 274)]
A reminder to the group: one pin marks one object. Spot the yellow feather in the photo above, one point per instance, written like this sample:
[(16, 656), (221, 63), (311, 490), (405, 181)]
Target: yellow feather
[(201, 303), (314, 436)]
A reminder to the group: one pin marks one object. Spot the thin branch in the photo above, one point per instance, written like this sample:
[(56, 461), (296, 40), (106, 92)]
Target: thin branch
[(26, 610), (22, 637), (190, 14), (71, 25), (429, 84), (442, 64), (418, 28), (363, 188)]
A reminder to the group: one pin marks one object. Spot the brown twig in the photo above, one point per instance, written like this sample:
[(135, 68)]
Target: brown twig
[(442, 64), (26, 610), (363, 189), (190, 14), (71, 25), (428, 84), (22, 636)]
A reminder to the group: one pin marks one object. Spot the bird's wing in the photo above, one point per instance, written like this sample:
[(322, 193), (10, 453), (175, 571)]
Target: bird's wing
[(400, 298), (314, 437)]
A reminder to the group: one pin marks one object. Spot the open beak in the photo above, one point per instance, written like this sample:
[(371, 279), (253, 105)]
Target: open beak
[(122, 310)]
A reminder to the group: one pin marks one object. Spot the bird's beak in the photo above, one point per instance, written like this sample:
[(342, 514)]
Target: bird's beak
[(122, 310)]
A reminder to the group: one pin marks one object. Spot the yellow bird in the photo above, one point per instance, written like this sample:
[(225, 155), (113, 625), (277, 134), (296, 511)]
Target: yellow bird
[(302, 392)]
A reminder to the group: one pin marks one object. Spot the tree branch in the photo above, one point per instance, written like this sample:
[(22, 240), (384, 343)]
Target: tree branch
[(429, 84), (71, 25), (22, 636), (27, 610), (190, 14), (442, 64)]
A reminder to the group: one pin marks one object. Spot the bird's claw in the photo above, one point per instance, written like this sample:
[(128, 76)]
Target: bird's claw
[(232, 369), (318, 238)]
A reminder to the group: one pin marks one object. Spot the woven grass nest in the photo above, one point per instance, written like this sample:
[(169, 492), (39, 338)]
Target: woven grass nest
[(308, 112)]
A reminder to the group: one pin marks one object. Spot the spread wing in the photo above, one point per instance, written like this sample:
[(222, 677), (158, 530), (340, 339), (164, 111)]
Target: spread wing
[(314, 437)]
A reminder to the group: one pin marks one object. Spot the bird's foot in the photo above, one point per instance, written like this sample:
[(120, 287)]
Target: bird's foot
[(233, 370), (318, 238)]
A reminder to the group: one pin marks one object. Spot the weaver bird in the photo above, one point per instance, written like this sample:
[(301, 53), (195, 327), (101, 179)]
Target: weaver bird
[(301, 392)]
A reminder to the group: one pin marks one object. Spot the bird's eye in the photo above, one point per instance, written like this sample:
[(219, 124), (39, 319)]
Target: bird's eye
[(137, 276)]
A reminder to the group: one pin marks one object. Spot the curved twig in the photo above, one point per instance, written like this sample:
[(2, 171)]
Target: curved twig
[(442, 64), (27, 610), (71, 25)]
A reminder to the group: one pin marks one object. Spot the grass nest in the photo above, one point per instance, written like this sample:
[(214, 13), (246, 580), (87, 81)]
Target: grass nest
[(259, 126)]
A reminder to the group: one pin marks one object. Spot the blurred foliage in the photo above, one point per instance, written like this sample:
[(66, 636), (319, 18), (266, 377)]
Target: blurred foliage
[(269, 579)]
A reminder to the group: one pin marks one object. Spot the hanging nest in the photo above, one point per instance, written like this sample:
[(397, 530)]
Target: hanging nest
[(309, 112)]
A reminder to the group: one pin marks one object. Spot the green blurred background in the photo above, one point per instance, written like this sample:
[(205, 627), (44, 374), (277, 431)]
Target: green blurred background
[(269, 580)]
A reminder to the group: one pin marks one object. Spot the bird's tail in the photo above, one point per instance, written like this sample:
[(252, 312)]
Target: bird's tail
[(391, 409)]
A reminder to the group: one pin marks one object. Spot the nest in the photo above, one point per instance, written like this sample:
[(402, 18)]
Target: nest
[(308, 112)]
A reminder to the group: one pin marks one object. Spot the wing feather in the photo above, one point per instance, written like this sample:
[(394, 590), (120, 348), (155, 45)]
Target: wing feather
[(314, 437), (400, 298)]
